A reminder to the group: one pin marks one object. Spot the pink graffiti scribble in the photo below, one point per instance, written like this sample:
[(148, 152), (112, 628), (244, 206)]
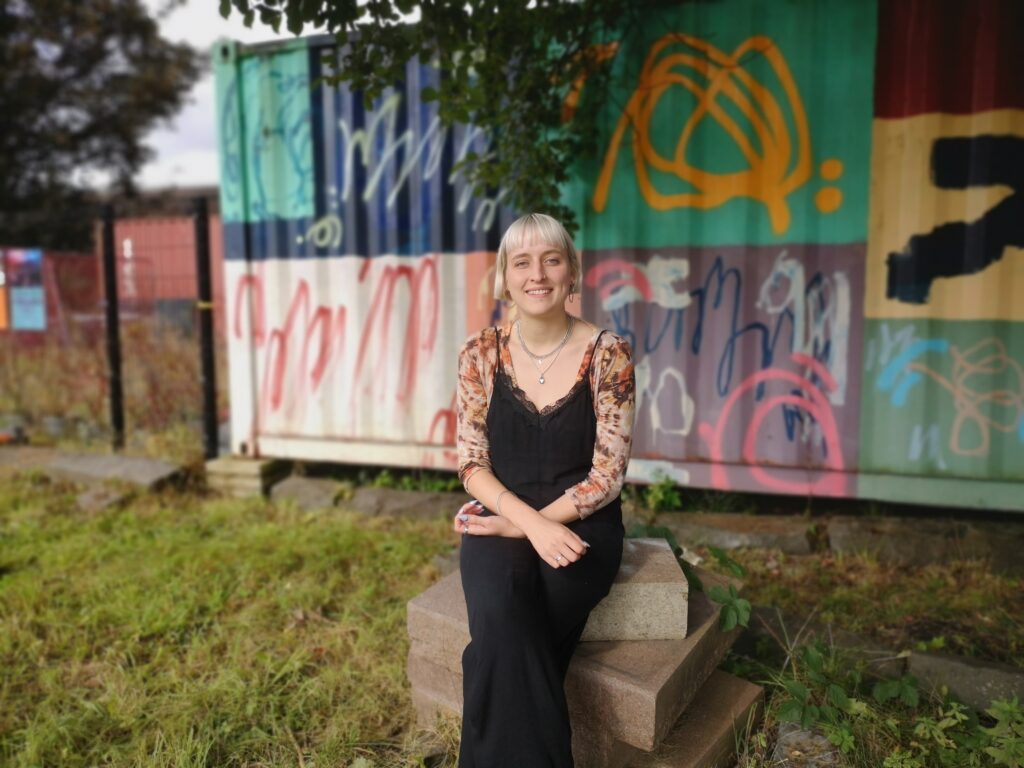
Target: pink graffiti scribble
[(624, 274), (301, 353), (833, 481), (420, 324)]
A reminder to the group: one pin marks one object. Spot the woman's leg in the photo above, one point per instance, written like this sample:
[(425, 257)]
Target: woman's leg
[(571, 593), (514, 711)]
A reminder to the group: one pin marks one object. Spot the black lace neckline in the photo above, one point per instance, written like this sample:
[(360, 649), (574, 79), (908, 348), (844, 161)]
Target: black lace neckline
[(508, 375)]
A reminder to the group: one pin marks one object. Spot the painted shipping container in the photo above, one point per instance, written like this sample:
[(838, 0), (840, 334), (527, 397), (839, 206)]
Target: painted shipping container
[(807, 217), (156, 260)]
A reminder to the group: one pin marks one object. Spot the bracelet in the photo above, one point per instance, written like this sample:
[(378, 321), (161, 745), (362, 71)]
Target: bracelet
[(497, 502)]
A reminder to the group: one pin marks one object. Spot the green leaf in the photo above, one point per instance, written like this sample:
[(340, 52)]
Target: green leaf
[(813, 659), (909, 696), (837, 697), (811, 715), (225, 8), (886, 690), (797, 690), (790, 711), (718, 593), (724, 560), (729, 618)]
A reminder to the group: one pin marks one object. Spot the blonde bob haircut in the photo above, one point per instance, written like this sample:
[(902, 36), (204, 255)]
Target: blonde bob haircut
[(528, 230)]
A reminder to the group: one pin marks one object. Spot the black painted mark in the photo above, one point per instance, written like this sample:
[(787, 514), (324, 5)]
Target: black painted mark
[(960, 248)]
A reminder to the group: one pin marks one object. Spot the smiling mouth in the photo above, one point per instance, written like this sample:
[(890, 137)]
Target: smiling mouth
[(539, 292)]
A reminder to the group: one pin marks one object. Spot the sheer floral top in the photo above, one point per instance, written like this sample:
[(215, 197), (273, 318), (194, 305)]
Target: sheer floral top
[(608, 363)]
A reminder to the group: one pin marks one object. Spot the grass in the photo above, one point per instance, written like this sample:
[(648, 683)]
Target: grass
[(182, 631), (958, 607)]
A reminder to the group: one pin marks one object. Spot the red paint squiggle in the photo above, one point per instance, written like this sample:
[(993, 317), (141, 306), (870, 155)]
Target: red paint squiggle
[(833, 480), (629, 275), (310, 344), (420, 324)]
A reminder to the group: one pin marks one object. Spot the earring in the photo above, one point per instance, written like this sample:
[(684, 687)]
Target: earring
[(572, 292)]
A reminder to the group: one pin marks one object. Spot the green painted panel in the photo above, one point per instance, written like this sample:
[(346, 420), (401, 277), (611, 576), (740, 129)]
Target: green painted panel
[(265, 135), (943, 398), (740, 121)]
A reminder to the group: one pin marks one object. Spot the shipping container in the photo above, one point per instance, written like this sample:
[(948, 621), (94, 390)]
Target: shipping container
[(156, 266), (806, 217)]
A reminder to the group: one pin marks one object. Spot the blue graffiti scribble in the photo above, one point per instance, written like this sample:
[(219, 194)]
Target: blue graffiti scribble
[(890, 377)]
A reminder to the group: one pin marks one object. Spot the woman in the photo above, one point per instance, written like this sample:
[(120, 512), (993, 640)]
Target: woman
[(545, 418)]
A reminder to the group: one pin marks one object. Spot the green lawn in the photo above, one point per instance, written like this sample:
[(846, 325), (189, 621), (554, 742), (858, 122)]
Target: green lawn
[(190, 631), (186, 632)]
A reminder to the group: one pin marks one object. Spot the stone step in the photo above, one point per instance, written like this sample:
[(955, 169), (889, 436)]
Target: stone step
[(237, 466), (648, 598), (704, 736), (725, 710), (635, 689), (238, 487)]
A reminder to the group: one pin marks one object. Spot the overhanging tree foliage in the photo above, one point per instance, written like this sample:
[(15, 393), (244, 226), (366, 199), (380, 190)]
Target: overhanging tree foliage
[(81, 83), (512, 68)]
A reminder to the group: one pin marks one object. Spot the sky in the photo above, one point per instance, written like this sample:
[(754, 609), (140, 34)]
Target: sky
[(186, 149)]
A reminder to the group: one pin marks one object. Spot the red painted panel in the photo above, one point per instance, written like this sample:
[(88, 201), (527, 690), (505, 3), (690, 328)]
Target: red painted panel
[(157, 261), (953, 56)]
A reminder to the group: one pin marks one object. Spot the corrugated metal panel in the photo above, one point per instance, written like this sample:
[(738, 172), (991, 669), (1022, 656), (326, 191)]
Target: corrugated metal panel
[(805, 217)]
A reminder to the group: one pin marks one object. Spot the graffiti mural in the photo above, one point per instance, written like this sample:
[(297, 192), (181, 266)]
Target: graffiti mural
[(716, 331), (805, 217)]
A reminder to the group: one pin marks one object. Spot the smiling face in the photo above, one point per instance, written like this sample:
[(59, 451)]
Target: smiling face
[(538, 278)]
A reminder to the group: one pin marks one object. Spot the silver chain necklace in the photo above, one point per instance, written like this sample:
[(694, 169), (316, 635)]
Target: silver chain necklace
[(538, 359)]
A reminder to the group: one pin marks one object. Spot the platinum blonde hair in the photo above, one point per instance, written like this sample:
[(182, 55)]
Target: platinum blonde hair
[(528, 230)]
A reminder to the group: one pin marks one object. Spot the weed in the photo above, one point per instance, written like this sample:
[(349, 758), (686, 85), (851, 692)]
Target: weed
[(412, 480), (662, 495)]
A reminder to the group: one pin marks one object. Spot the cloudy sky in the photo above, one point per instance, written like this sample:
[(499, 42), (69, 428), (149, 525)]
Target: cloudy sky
[(186, 150)]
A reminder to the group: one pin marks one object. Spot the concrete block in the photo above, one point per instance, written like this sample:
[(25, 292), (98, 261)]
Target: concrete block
[(635, 689), (439, 681), (134, 470), (237, 487), (706, 734), (237, 466), (976, 683), (419, 504), (731, 531), (920, 541), (647, 600), (310, 493)]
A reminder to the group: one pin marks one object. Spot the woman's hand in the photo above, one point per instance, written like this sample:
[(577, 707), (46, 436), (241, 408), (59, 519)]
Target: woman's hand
[(556, 544), (469, 520)]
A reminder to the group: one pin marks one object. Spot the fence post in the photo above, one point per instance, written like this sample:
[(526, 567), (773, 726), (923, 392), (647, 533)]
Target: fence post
[(205, 307), (113, 329)]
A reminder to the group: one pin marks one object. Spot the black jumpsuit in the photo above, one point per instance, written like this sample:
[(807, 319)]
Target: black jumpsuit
[(526, 617)]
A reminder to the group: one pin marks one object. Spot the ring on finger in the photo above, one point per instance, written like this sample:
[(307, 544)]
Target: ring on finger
[(558, 558)]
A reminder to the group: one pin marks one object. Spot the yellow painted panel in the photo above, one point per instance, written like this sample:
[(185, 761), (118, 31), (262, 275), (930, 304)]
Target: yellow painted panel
[(905, 202)]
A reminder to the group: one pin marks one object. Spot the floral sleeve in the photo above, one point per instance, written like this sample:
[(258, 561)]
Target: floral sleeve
[(615, 402), (471, 407)]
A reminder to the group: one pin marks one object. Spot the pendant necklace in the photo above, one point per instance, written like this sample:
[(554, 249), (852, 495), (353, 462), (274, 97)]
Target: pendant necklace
[(538, 359)]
